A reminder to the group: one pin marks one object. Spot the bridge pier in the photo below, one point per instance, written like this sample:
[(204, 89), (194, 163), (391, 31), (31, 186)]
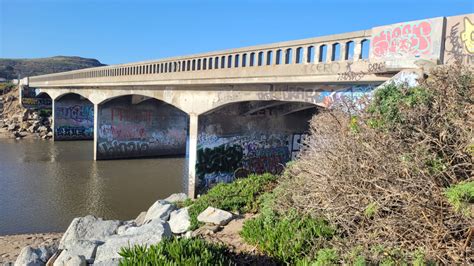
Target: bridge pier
[(192, 154)]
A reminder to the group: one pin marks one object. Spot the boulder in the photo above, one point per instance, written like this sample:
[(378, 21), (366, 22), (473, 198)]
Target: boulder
[(121, 229), (176, 197), (140, 219), (29, 257), (147, 234), (159, 210), (68, 259), (179, 221), (84, 248), (88, 228), (215, 216), (35, 256)]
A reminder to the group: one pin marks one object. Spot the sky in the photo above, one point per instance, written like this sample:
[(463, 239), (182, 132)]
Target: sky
[(119, 31)]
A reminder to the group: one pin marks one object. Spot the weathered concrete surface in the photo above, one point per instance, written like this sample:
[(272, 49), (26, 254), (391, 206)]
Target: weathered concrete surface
[(143, 129), (73, 118)]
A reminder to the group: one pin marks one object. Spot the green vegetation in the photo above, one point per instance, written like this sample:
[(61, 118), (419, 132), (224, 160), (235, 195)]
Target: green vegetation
[(174, 251), (389, 101), (461, 196), (240, 196), (287, 237), (6, 87), (12, 68)]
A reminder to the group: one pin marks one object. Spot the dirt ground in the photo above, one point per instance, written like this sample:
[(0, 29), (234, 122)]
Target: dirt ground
[(11, 245)]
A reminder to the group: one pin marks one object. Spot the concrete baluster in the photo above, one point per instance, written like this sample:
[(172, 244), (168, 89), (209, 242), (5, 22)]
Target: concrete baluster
[(357, 50)]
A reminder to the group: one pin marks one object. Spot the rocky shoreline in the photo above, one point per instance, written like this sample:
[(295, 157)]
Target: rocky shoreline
[(93, 241)]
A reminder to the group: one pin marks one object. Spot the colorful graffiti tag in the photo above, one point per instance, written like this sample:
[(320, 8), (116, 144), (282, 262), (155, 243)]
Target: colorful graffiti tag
[(147, 129), (467, 35), (354, 96), (74, 119), (37, 103), (222, 159), (412, 39)]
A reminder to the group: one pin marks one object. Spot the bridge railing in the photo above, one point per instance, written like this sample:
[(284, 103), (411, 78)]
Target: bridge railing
[(234, 62)]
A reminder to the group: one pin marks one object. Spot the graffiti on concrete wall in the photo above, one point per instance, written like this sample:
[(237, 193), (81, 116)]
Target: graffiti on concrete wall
[(297, 144), (222, 159), (411, 39), (350, 75), (290, 93), (459, 41), (467, 36), (354, 96), (140, 130), (37, 103), (73, 119)]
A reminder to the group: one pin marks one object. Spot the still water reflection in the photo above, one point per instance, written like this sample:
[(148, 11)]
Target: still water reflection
[(45, 184)]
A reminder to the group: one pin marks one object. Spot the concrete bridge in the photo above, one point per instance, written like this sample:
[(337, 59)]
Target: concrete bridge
[(242, 110)]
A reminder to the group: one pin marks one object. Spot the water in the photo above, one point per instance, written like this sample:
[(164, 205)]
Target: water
[(45, 184)]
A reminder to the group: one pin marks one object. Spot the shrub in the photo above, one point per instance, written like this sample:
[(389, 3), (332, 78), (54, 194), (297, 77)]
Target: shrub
[(172, 251), (238, 196), (287, 237), (461, 196), (380, 178)]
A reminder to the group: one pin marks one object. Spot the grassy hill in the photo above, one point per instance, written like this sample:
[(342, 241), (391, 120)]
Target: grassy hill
[(11, 68)]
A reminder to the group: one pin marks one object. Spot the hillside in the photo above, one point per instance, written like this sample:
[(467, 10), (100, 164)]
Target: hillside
[(11, 68)]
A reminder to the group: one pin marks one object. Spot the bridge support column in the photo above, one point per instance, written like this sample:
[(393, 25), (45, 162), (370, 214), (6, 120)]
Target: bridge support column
[(192, 154), (96, 129)]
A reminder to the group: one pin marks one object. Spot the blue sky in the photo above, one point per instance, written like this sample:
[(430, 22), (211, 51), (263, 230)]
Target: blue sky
[(119, 31)]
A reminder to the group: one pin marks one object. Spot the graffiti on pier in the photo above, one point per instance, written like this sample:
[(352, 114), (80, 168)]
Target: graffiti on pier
[(73, 119), (72, 132), (37, 103), (77, 113), (297, 144), (127, 148), (146, 129), (222, 159), (407, 39)]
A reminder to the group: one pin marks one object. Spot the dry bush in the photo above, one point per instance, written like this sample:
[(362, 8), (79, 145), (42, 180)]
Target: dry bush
[(380, 176)]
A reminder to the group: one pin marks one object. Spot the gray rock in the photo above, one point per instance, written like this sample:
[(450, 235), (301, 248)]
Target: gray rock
[(176, 197), (179, 221), (84, 248), (147, 234), (108, 262), (159, 210), (121, 229), (68, 259), (140, 219), (88, 228), (215, 216), (43, 129), (29, 257)]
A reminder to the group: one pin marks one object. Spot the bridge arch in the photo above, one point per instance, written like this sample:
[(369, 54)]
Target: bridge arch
[(243, 137), (73, 117), (135, 125)]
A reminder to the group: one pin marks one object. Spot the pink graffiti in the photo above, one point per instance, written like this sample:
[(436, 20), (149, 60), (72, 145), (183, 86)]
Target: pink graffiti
[(407, 39)]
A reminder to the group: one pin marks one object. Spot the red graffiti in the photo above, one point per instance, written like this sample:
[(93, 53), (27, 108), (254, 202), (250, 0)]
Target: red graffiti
[(412, 39), (126, 115)]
